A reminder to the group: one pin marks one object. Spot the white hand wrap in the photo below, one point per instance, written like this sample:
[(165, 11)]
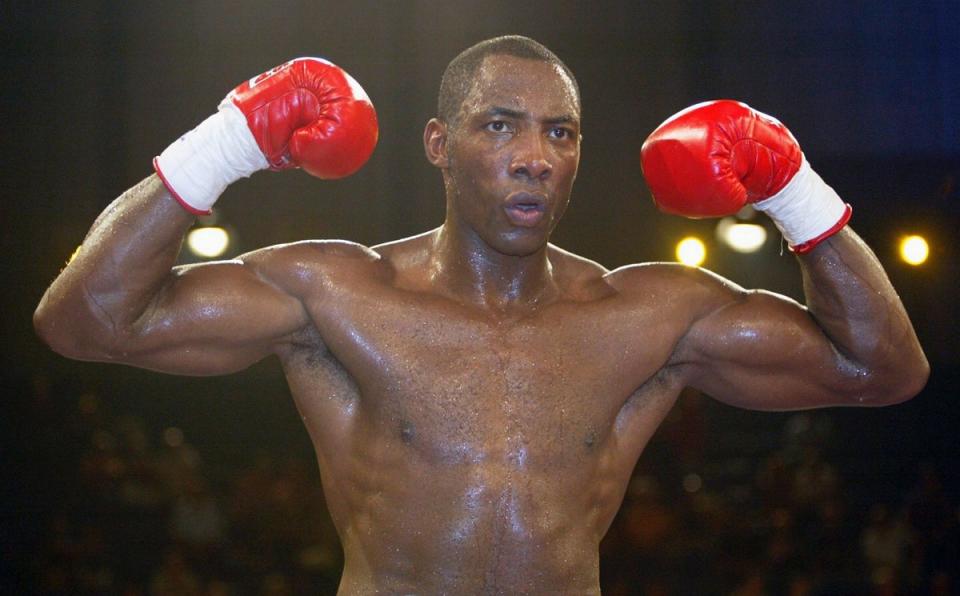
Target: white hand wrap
[(806, 210), (200, 165)]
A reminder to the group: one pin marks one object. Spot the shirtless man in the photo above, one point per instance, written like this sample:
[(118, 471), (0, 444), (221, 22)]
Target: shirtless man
[(478, 397)]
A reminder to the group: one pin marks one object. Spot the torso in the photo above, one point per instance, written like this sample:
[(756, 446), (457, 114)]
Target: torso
[(464, 451)]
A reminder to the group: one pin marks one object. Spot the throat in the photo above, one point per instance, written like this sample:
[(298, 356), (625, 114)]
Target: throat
[(483, 277)]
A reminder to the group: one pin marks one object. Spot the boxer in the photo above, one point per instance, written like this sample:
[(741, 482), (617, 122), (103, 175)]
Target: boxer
[(476, 395)]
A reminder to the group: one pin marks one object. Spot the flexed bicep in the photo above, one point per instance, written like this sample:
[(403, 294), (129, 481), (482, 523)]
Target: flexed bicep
[(764, 351), (211, 319)]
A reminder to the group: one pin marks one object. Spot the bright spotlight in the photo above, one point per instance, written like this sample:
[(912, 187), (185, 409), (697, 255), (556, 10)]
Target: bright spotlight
[(691, 251), (208, 242), (741, 237), (914, 250)]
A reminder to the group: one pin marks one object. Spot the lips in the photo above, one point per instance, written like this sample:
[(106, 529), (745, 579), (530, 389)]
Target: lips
[(525, 209)]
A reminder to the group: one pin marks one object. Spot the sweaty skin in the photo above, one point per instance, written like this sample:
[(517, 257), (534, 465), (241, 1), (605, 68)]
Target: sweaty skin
[(478, 397)]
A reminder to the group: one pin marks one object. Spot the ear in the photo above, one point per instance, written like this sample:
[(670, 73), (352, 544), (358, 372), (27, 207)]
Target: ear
[(435, 143)]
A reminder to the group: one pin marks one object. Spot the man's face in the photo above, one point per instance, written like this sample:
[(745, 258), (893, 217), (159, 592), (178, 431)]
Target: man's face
[(513, 154)]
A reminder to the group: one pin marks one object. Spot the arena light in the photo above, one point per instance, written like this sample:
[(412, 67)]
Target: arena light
[(739, 236), (208, 242), (914, 250), (691, 251)]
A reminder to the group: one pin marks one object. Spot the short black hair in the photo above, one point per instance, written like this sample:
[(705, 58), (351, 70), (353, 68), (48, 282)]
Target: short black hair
[(461, 73)]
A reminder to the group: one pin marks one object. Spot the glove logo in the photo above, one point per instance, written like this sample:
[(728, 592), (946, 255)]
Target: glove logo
[(266, 75), (260, 78)]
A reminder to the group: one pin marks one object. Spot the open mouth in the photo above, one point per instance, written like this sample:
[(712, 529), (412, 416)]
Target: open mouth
[(525, 209)]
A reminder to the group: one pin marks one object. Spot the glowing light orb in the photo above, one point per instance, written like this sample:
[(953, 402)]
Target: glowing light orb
[(691, 251), (914, 250), (741, 237), (208, 242)]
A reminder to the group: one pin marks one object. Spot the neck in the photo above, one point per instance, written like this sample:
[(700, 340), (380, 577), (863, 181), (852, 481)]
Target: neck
[(469, 270)]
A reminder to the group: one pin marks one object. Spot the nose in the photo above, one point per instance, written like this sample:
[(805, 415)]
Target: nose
[(530, 161)]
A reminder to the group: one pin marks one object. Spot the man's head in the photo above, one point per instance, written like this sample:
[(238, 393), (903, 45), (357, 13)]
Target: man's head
[(461, 74), (507, 140)]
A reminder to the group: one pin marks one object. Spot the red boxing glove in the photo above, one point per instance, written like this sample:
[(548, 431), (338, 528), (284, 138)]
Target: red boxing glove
[(713, 158), (311, 114), (305, 113)]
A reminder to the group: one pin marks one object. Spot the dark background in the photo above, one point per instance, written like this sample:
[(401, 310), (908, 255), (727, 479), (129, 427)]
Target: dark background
[(93, 90)]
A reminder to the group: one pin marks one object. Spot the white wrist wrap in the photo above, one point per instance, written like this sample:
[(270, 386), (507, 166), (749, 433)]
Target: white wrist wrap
[(806, 210), (200, 165)]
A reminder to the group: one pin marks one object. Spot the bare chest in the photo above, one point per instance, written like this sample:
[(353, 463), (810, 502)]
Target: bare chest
[(543, 389)]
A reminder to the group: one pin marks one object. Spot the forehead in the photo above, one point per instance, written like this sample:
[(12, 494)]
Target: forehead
[(521, 84)]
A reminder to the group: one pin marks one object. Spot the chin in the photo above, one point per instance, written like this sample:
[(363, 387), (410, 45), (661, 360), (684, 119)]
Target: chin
[(522, 244)]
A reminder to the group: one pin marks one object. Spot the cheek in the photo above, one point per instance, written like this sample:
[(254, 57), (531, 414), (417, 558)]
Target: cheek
[(570, 158), (481, 172), (570, 165)]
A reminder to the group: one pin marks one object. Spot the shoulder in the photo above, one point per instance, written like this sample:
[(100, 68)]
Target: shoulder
[(698, 291), (407, 252), (296, 266), (692, 288), (638, 275), (308, 251), (575, 273)]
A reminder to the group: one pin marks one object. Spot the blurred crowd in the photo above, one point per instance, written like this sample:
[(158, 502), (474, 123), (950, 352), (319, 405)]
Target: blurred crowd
[(136, 510), (789, 522), (125, 507)]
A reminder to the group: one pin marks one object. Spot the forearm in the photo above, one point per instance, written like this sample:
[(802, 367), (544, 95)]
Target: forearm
[(118, 271), (851, 299)]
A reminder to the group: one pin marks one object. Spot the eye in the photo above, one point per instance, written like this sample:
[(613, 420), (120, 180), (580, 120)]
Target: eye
[(497, 126), (559, 132)]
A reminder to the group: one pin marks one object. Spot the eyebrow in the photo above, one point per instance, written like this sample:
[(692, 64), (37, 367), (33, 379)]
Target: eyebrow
[(511, 113)]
